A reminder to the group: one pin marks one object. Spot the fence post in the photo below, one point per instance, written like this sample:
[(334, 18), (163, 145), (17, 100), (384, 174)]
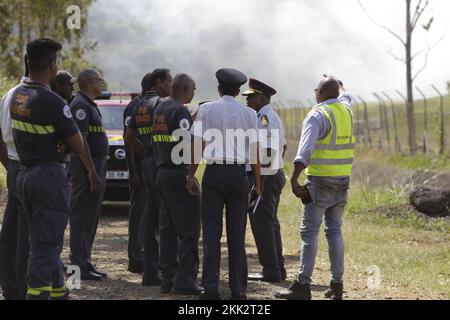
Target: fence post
[(398, 147), (367, 140), (426, 146), (380, 107), (441, 125)]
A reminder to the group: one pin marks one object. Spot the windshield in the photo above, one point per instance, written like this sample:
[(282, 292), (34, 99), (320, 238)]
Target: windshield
[(112, 116)]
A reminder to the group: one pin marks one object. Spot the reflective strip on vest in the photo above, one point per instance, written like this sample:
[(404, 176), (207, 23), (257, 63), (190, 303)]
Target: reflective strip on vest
[(145, 130), (96, 129), (32, 128), (164, 138), (333, 155)]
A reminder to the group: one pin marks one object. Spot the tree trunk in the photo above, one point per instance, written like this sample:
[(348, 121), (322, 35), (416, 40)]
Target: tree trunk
[(409, 83)]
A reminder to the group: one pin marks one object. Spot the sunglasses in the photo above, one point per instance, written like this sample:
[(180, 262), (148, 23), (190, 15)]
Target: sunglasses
[(99, 79)]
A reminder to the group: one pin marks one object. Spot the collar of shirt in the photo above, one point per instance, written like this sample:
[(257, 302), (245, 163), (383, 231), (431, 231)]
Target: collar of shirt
[(228, 98), (149, 93), (89, 100), (264, 110), (29, 82), (331, 101)]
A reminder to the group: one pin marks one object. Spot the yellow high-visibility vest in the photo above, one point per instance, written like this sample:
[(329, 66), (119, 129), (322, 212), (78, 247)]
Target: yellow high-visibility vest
[(333, 156)]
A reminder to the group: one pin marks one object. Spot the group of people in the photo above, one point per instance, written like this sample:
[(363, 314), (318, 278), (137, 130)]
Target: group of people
[(55, 148)]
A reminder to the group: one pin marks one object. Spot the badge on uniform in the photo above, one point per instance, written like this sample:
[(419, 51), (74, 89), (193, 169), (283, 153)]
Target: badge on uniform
[(127, 121), (184, 124), (264, 121), (67, 112), (80, 114)]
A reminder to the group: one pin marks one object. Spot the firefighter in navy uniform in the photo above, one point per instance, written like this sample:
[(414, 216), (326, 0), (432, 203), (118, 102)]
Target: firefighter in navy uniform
[(63, 85), (136, 185), (88, 174), (180, 214), (41, 120), (138, 136)]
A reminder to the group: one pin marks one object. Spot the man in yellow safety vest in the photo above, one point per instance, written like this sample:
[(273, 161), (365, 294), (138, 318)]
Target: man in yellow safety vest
[(326, 152)]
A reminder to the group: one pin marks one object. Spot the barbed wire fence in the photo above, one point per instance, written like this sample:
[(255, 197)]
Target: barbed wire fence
[(381, 121)]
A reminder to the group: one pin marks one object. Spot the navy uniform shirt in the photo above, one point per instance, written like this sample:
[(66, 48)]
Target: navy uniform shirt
[(89, 120), (169, 116), (127, 113), (142, 121), (40, 120)]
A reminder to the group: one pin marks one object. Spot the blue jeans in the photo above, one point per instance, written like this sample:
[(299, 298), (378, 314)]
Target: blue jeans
[(329, 196)]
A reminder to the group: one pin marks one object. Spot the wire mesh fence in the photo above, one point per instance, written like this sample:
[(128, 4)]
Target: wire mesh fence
[(381, 119)]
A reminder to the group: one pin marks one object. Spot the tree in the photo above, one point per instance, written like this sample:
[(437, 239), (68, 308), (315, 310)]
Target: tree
[(24, 20), (412, 19)]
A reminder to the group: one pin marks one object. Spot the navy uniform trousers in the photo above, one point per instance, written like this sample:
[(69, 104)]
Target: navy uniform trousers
[(266, 227), (13, 241), (224, 186), (85, 211), (44, 191), (135, 225), (179, 229), (151, 218)]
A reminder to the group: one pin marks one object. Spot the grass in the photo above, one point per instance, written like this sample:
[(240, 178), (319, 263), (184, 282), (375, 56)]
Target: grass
[(410, 251)]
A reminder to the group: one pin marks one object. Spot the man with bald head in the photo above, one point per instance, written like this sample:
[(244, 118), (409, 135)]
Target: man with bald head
[(180, 214), (88, 174), (326, 152)]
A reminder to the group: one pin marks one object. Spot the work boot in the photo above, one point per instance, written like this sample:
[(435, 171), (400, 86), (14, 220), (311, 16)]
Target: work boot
[(297, 291), (335, 291)]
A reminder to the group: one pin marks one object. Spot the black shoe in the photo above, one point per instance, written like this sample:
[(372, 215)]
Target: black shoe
[(151, 281), (335, 292), (238, 297), (92, 268), (136, 268), (195, 290), (297, 291), (259, 276), (166, 287), (283, 274), (209, 296), (91, 276)]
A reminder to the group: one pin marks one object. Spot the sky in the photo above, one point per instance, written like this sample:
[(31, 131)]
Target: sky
[(288, 44)]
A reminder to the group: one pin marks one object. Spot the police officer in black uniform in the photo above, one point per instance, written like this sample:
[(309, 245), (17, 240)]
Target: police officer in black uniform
[(141, 126), (40, 121), (225, 183), (136, 185), (88, 172), (264, 221), (180, 214)]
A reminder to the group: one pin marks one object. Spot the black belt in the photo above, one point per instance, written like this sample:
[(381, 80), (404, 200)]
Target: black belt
[(30, 165), (226, 165), (172, 167)]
